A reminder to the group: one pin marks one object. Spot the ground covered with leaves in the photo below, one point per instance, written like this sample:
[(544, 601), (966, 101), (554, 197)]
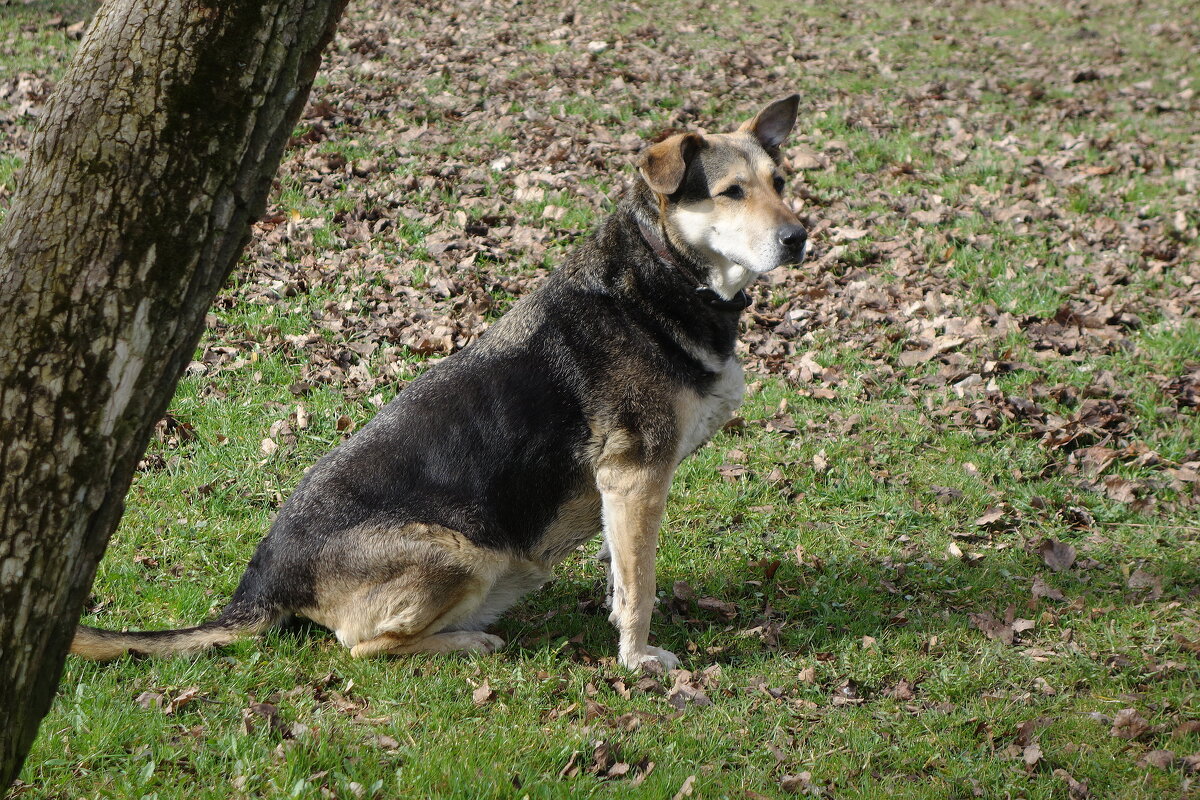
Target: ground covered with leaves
[(950, 547)]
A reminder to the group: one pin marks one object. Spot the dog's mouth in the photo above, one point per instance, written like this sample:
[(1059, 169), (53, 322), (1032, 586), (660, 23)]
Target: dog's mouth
[(797, 255), (786, 261), (798, 258)]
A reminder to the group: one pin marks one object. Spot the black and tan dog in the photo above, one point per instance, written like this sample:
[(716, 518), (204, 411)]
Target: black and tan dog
[(567, 418)]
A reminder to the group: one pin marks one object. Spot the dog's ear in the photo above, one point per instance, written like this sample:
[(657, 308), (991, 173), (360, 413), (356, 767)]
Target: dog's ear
[(773, 124), (663, 165)]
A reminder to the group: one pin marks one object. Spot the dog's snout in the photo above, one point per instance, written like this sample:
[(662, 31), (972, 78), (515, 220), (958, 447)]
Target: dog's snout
[(793, 237)]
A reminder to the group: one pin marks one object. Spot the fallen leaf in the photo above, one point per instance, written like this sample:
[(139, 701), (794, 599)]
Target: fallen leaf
[(686, 789), (1161, 759), (149, 699), (1186, 728), (1121, 489), (1077, 790), (571, 768), (725, 609), (1128, 724), (1141, 580), (993, 517), (1005, 630), (683, 591), (1026, 729), (731, 472), (846, 694), (268, 712), (803, 157), (801, 782), (182, 699), (847, 234), (1042, 589), (686, 689), (992, 628), (644, 768), (386, 742), (483, 694), (946, 494), (1057, 555)]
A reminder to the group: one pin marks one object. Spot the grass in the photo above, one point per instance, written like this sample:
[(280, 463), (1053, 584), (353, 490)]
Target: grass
[(843, 632)]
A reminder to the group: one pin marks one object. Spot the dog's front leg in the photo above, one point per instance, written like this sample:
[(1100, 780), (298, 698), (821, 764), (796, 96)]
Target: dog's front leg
[(633, 499)]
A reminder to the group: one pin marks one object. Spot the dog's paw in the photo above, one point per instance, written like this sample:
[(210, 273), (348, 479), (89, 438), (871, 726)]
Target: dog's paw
[(652, 659), (478, 642)]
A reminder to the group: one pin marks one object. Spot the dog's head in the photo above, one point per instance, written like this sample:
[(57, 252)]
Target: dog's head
[(720, 198)]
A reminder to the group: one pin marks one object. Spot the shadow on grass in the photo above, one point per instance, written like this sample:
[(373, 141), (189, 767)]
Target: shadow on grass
[(737, 614)]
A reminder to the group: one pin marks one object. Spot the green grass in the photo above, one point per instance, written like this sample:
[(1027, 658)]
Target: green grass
[(835, 549)]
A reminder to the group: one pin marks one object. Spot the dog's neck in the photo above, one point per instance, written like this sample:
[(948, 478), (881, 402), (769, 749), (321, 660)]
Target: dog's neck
[(662, 250)]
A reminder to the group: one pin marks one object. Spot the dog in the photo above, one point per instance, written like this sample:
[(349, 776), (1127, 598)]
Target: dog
[(567, 418)]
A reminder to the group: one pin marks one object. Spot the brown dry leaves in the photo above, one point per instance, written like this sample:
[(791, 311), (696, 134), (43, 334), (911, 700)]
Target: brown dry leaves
[(466, 67), (1057, 555), (168, 701), (607, 763), (1128, 724), (1006, 630), (485, 128)]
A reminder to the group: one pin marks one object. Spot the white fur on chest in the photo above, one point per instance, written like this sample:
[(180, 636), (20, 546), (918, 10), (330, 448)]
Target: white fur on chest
[(702, 414)]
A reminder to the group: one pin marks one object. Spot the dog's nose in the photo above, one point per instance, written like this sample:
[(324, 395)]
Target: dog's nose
[(793, 237)]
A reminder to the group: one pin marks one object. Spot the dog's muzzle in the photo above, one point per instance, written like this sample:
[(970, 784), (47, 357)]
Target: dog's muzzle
[(794, 240)]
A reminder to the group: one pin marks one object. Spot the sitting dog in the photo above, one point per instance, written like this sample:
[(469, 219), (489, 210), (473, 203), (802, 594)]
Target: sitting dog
[(567, 417)]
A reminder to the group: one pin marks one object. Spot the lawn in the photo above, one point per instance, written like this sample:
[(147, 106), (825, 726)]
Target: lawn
[(950, 547)]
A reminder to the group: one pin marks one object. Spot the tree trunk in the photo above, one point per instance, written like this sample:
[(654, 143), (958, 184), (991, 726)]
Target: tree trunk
[(153, 158)]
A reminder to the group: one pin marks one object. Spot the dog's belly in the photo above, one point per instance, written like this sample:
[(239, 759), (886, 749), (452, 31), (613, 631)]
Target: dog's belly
[(521, 578), (577, 521), (702, 414)]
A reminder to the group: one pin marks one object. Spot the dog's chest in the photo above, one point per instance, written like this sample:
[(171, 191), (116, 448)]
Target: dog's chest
[(702, 413)]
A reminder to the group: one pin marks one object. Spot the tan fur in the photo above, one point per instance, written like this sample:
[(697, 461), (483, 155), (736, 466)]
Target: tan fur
[(664, 164), (451, 642), (440, 578), (577, 521), (700, 416), (736, 236), (634, 498), (107, 645)]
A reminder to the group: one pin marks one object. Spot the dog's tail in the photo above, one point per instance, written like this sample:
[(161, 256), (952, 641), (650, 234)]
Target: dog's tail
[(236, 621)]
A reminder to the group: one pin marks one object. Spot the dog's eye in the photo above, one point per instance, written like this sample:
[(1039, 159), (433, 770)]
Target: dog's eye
[(734, 192), (778, 182)]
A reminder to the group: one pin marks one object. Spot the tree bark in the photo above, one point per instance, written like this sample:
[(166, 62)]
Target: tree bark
[(154, 156)]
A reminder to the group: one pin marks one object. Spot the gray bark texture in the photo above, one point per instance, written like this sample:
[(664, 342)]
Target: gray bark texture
[(152, 160)]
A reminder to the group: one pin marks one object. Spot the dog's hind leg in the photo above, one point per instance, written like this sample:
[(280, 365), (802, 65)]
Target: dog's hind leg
[(447, 642), (605, 559), (385, 589), (424, 601), (471, 604)]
